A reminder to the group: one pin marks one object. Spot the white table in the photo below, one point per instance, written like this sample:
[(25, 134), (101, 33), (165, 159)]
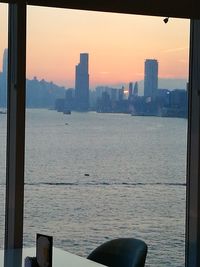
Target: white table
[(61, 258)]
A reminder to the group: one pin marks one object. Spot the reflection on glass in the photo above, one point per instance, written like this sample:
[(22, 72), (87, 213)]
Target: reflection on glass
[(111, 162), (3, 114)]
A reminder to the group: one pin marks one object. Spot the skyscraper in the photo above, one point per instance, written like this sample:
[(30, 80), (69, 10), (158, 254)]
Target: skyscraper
[(135, 90), (130, 90), (82, 84), (151, 78)]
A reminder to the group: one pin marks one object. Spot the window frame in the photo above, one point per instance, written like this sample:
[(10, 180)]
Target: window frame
[(16, 114), (14, 206), (192, 239), (178, 8)]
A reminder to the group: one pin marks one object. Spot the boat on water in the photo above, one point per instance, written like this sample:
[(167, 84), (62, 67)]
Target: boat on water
[(2, 112), (67, 112)]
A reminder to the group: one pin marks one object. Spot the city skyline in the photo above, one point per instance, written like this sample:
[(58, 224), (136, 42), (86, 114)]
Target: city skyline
[(117, 44), (140, 84), (155, 101)]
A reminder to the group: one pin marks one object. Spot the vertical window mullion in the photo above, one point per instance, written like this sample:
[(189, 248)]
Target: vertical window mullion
[(15, 133), (193, 164)]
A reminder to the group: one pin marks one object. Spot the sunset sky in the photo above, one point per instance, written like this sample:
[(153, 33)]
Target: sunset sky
[(117, 45)]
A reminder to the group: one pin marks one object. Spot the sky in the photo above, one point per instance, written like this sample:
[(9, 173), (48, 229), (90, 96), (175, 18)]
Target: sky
[(117, 44)]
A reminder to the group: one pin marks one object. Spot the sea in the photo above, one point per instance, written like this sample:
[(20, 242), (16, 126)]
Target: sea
[(91, 177)]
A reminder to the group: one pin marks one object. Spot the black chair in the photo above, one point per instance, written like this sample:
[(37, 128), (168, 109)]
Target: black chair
[(30, 262), (121, 252)]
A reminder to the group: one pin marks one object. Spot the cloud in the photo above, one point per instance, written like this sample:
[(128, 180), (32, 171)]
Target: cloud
[(139, 73), (183, 61), (172, 50), (104, 72)]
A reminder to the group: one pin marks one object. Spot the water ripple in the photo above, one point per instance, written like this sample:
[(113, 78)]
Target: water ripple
[(103, 184)]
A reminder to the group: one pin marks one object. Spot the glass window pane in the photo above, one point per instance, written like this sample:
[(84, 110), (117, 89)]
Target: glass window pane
[(3, 113), (112, 162)]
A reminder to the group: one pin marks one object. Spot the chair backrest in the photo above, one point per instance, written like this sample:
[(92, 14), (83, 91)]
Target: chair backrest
[(30, 262), (121, 252)]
